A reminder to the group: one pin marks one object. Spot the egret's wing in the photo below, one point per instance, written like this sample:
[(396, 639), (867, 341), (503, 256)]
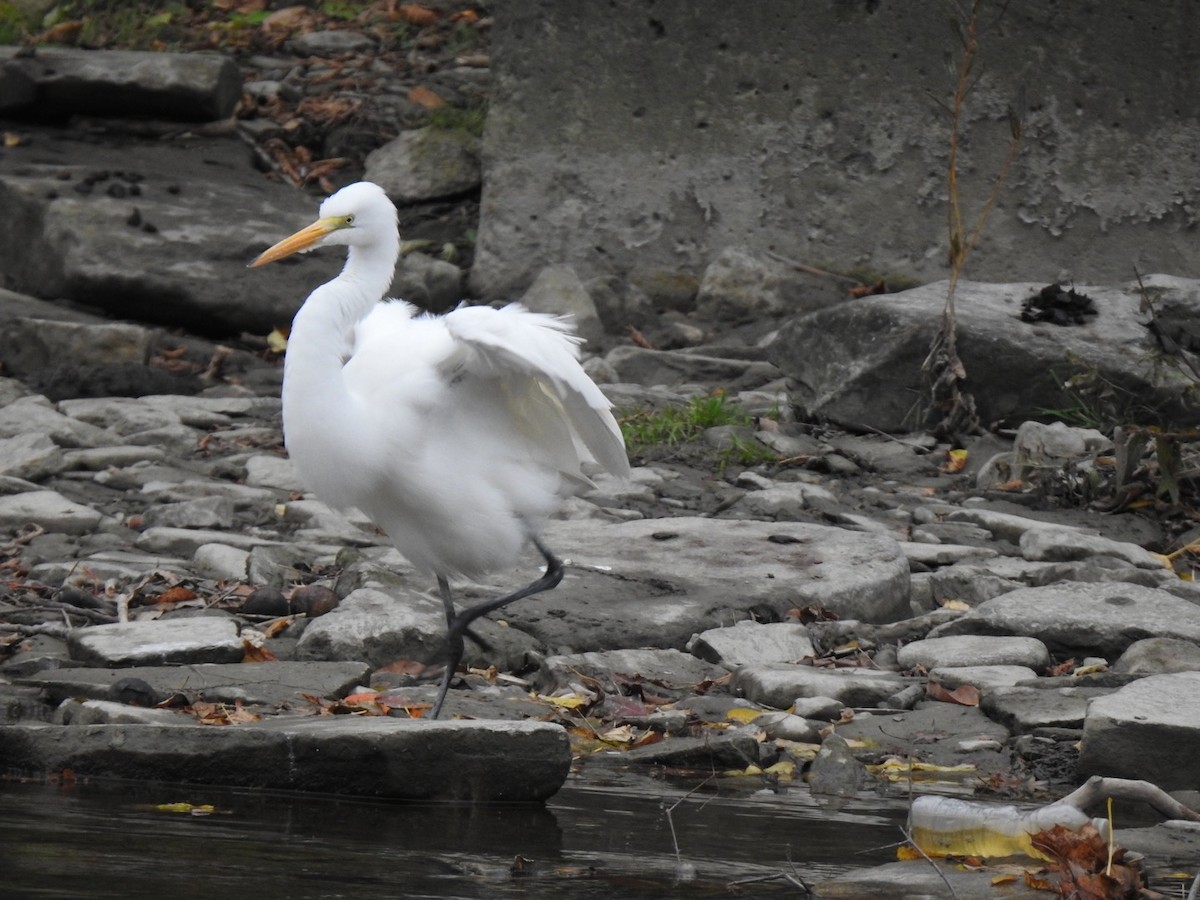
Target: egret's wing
[(541, 351)]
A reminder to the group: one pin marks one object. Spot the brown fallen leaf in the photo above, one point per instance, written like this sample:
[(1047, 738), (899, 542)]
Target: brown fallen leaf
[(419, 14), (252, 653), (963, 695), (423, 96), (638, 338)]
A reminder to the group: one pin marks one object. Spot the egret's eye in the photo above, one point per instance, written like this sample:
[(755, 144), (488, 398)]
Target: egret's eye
[(350, 220)]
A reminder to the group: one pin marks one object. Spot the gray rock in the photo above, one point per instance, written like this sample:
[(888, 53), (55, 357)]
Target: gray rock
[(1022, 709), (652, 367), (221, 562), (206, 512), (432, 284), (1045, 544), (1159, 656), (938, 733), (558, 290), (477, 761), (185, 542), (278, 684), (835, 771), (161, 641), (121, 415), (920, 878), (738, 286), (331, 43), (98, 459), (984, 677), (825, 709), (35, 415), (748, 642), (179, 86), (107, 712), (657, 582), (377, 627), (1005, 526), (81, 246), (671, 667), (778, 684), (426, 164), (970, 650), (859, 363), (32, 346), (731, 750), (781, 726), (17, 87), (1148, 729), (264, 470), (30, 456), (1082, 619), (49, 509)]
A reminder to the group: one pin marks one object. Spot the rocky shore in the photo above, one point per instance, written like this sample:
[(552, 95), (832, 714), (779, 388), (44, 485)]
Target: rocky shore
[(791, 586)]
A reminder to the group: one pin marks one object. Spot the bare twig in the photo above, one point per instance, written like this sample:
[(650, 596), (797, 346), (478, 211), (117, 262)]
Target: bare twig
[(936, 867)]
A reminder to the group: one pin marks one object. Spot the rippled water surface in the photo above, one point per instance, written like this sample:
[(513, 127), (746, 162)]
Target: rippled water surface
[(605, 835)]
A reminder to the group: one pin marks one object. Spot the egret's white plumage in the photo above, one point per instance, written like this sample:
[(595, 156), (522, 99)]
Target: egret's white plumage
[(456, 434)]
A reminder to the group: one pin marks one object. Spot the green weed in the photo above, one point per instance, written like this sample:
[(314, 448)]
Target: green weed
[(675, 425)]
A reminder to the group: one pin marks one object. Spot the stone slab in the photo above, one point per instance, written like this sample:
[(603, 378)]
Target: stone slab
[(409, 759)]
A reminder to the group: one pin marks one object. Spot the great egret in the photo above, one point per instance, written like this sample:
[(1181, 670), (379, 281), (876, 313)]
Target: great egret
[(458, 435)]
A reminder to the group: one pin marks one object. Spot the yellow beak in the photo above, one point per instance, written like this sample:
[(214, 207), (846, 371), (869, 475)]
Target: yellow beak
[(304, 239)]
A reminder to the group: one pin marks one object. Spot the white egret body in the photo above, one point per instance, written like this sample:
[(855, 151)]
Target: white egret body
[(457, 434)]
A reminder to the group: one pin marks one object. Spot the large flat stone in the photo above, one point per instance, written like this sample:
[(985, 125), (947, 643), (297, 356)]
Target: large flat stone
[(194, 640), (273, 684), (410, 759), (1082, 619), (1149, 729), (656, 582)]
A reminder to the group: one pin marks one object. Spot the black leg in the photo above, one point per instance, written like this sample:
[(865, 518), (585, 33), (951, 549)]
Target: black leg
[(459, 625)]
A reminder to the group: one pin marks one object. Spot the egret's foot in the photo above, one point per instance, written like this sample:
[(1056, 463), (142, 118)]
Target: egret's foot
[(459, 624)]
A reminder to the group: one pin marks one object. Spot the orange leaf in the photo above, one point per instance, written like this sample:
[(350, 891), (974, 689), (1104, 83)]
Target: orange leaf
[(177, 594), (963, 695), (255, 654), (423, 96), (416, 14)]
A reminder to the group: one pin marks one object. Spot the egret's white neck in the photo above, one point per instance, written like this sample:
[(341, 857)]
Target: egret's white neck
[(322, 337)]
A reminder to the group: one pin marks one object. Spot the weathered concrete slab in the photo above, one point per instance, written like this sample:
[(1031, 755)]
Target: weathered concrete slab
[(407, 759), (690, 140), (747, 642), (920, 878), (1149, 729), (974, 650), (1023, 709), (272, 684)]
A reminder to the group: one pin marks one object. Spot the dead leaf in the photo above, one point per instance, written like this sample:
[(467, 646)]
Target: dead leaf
[(963, 695), (252, 653), (956, 461), (177, 594), (638, 338), (423, 96), (418, 14)]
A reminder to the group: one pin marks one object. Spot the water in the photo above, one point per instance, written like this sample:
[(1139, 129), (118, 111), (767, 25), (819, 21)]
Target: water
[(605, 835)]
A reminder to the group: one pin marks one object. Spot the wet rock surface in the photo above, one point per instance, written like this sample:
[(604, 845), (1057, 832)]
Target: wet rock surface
[(743, 597)]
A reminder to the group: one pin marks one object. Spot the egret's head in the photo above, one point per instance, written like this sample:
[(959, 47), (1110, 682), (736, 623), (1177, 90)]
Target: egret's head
[(357, 215)]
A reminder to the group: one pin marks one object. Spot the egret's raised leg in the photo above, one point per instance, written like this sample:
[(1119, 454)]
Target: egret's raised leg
[(458, 624)]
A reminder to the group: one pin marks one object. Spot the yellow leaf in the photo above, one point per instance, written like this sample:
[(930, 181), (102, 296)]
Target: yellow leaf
[(749, 770), (907, 852), (956, 604), (743, 715), (277, 341), (571, 701)]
